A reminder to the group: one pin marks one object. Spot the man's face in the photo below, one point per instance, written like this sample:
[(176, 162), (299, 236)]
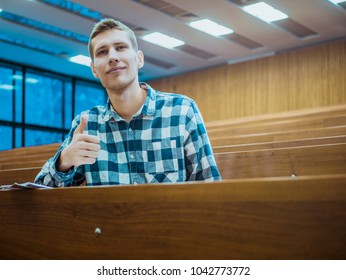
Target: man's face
[(116, 62)]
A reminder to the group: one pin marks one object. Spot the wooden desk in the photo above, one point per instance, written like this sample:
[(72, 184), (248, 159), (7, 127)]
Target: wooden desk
[(268, 218)]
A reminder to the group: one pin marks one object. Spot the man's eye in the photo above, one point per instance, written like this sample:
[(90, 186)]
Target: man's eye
[(102, 52)]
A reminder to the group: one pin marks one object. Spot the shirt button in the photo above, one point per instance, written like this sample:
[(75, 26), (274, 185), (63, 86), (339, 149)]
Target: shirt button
[(132, 156)]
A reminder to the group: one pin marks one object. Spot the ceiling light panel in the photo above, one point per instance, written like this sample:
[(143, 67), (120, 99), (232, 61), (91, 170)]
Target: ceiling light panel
[(264, 12), (337, 1), (163, 40), (81, 59), (274, 17), (210, 27), (213, 29)]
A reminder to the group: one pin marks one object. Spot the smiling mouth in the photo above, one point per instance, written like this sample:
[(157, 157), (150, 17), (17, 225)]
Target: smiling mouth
[(115, 70)]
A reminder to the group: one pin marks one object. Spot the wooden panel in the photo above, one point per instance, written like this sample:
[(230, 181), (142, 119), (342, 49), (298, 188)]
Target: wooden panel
[(23, 164), (281, 144), (240, 219), (29, 153), (278, 136), (33, 157), (301, 161), (32, 150), (305, 78), (18, 175), (304, 124), (296, 115)]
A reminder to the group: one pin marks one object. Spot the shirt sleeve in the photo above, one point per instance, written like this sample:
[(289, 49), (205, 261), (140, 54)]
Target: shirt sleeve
[(199, 159), (50, 176)]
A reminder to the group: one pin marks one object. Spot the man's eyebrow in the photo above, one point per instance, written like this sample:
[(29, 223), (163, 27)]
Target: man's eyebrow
[(114, 44), (99, 48), (121, 43)]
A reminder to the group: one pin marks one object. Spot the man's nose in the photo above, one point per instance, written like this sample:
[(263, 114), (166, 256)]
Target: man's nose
[(113, 55)]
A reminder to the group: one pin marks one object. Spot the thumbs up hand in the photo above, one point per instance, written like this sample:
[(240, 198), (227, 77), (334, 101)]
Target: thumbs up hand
[(83, 149), (82, 125)]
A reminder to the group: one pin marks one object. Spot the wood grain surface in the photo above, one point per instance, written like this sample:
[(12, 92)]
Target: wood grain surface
[(270, 218)]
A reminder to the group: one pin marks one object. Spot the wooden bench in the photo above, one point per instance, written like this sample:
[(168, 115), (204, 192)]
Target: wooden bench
[(276, 162), (237, 219), (23, 164), (18, 175), (284, 126), (25, 158), (29, 153), (278, 136), (278, 117), (305, 128), (31, 150), (281, 144)]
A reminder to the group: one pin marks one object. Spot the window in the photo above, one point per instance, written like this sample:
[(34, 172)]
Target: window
[(43, 100), (67, 105), (7, 89), (18, 138), (88, 96), (36, 137), (47, 101), (6, 137)]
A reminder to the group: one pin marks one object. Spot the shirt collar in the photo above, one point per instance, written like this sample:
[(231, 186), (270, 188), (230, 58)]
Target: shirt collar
[(150, 101), (148, 108)]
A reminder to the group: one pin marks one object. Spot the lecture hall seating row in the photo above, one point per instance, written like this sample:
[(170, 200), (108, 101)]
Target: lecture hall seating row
[(283, 197), (263, 218), (249, 147)]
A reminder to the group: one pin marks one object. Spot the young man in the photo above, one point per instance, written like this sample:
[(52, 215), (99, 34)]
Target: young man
[(140, 135)]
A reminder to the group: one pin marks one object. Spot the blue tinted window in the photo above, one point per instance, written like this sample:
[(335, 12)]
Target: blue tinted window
[(88, 96), (48, 103), (18, 81), (6, 92), (43, 100), (6, 137), (68, 105), (36, 137), (18, 140)]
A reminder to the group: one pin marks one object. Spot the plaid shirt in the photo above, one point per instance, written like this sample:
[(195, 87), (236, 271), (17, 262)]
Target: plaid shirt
[(166, 141)]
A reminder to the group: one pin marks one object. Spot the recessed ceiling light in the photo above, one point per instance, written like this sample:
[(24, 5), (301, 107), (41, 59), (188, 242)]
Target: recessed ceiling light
[(17, 77), (28, 80), (163, 40), (336, 1), (81, 59), (31, 80), (265, 12), (210, 27), (7, 87)]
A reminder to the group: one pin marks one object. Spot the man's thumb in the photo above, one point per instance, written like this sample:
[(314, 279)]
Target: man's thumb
[(82, 125)]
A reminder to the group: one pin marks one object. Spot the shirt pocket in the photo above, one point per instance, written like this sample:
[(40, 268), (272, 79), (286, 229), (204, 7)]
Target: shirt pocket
[(162, 161)]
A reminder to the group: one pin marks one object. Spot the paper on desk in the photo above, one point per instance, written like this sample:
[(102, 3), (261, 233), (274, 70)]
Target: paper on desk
[(27, 185)]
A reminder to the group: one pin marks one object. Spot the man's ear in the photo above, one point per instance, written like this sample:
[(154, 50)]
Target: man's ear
[(140, 56), (93, 70)]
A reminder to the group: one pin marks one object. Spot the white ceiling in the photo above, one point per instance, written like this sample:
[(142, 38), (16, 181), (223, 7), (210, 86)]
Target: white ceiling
[(328, 21)]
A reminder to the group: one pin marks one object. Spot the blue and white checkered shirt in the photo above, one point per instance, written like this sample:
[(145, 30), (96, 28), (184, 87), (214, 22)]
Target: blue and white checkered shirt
[(166, 141)]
